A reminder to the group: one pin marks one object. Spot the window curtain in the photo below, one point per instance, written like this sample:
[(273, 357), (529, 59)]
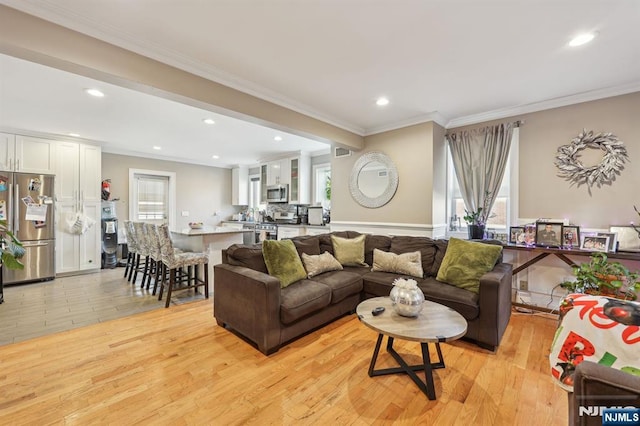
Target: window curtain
[(479, 160)]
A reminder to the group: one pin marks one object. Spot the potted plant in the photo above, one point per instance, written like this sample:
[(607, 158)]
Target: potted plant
[(475, 223), (600, 276)]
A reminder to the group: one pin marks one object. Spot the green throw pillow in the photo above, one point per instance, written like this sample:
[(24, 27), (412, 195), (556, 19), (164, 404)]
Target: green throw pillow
[(466, 261), (283, 261), (349, 251)]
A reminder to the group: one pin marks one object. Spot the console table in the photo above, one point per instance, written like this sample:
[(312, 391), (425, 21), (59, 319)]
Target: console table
[(561, 254)]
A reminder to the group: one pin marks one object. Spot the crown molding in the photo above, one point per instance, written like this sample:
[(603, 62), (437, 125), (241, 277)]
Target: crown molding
[(434, 116), (591, 95)]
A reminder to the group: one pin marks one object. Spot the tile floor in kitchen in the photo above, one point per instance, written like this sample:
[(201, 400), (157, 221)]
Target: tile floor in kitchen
[(37, 309)]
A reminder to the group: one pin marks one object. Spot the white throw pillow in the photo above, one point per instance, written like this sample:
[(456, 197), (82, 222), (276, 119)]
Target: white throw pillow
[(405, 263)]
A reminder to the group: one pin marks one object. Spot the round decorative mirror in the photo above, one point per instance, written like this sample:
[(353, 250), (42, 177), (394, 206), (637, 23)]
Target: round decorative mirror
[(374, 180)]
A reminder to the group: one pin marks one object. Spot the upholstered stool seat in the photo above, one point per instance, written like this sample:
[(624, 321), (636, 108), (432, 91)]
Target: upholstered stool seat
[(174, 261)]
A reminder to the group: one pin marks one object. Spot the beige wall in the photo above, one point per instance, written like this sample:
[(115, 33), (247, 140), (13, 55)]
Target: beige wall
[(201, 190), (412, 150), (34, 39), (545, 195)]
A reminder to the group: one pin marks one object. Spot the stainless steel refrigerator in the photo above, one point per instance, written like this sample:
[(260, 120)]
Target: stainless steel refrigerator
[(27, 204)]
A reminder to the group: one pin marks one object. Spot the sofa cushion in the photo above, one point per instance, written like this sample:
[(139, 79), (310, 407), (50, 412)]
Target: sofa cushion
[(283, 261), (466, 261), (406, 263), (249, 256), (325, 239), (441, 250), (349, 251), (426, 246), (303, 298), (462, 301), (318, 264), (380, 242), (342, 284), (309, 245)]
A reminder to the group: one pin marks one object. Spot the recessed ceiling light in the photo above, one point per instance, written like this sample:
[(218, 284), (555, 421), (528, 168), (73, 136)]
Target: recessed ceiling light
[(157, 148), (277, 138), (94, 92), (382, 101), (582, 39), (208, 121), (215, 157), (75, 135)]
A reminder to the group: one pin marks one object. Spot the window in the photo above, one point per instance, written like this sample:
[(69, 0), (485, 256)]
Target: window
[(151, 196), (504, 211), (322, 185)]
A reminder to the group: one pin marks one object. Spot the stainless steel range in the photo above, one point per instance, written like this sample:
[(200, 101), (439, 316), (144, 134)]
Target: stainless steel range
[(266, 231)]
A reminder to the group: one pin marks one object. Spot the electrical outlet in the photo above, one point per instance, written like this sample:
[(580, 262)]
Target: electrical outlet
[(524, 285)]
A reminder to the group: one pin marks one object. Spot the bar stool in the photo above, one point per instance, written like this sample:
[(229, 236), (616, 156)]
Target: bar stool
[(131, 248), (157, 270), (173, 261), (142, 258)]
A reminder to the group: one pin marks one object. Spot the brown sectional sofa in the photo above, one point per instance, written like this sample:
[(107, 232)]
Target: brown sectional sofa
[(250, 301)]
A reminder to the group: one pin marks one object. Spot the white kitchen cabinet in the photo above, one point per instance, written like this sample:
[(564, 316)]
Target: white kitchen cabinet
[(278, 172), (240, 186), (300, 180), (78, 190), (316, 230), (289, 231), (27, 154)]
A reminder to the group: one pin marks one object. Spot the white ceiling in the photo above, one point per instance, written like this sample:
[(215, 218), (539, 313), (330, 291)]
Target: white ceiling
[(452, 61)]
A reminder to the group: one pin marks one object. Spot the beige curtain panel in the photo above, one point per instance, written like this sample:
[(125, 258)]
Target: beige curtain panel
[(479, 159)]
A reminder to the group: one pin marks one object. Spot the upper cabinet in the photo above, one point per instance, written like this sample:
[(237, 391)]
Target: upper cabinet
[(240, 186), (27, 154), (278, 172), (300, 180)]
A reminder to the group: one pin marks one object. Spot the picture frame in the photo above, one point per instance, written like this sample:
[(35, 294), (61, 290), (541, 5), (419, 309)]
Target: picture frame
[(530, 234), (594, 243), (613, 240), (549, 234), (516, 235), (570, 236), (628, 238)]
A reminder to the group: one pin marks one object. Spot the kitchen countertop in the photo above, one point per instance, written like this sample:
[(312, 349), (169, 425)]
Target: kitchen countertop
[(293, 225), (210, 231)]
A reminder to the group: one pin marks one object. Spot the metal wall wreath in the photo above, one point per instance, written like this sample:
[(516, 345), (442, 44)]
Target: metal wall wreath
[(612, 163)]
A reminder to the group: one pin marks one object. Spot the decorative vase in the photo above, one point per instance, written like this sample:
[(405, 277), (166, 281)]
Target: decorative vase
[(476, 232), (406, 298)]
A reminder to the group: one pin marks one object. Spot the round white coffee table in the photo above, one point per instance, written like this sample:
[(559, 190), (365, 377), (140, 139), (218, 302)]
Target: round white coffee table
[(435, 324)]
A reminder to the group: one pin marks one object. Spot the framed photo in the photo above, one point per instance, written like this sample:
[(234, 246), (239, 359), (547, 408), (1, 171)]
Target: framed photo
[(613, 240), (628, 238), (530, 234), (594, 243), (516, 235), (570, 236), (549, 234)]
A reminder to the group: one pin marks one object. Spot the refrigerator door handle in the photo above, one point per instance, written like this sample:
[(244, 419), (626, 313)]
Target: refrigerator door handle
[(35, 244), (16, 210), (10, 208)]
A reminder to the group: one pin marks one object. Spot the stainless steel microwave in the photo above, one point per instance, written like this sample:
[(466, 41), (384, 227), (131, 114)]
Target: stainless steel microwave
[(278, 193)]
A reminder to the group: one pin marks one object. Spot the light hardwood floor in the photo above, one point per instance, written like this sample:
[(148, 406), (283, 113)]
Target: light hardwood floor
[(176, 366)]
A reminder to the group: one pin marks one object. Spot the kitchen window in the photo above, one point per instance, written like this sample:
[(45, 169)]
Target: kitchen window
[(322, 185), (152, 195), (504, 212)]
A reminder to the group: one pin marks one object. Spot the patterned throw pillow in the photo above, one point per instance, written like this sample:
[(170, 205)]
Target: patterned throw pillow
[(317, 264), (283, 261), (466, 261), (406, 263), (349, 251)]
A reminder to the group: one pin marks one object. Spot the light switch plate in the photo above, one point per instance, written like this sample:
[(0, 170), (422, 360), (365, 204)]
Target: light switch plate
[(185, 213)]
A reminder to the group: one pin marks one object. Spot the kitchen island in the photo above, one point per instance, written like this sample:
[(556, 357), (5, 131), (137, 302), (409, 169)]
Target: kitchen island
[(208, 239)]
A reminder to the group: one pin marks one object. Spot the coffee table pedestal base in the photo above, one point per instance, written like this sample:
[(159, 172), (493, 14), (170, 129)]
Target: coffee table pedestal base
[(425, 386)]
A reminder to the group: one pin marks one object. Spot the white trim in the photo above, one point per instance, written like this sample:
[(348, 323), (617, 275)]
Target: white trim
[(514, 179), (435, 116), (172, 192), (591, 95), (390, 228)]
